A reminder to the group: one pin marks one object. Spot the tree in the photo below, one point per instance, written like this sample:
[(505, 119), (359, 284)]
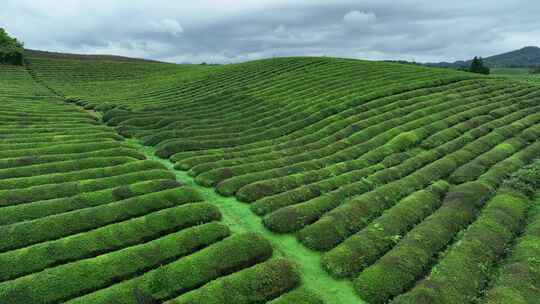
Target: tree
[(535, 70), (11, 49), (477, 66)]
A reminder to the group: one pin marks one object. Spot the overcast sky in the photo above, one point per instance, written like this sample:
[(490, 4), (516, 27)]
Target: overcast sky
[(239, 30)]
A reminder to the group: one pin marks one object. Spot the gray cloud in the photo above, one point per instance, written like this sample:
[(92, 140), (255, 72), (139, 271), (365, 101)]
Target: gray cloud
[(232, 31)]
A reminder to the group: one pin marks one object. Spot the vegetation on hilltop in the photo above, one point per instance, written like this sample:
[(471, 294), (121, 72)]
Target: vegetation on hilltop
[(477, 66), (11, 50)]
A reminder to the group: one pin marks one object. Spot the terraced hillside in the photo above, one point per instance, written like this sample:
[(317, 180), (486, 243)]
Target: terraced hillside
[(404, 183), (86, 218)]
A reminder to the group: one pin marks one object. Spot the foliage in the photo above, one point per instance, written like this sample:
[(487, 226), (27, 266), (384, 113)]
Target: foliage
[(11, 50), (477, 66)]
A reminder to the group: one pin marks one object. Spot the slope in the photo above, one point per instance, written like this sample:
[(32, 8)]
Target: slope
[(86, 218), (381, 167)]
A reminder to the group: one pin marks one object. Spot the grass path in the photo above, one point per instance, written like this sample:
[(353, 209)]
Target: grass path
[(239, 218)]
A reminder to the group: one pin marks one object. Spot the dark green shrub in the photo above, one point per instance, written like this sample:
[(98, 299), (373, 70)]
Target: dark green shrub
[(70, 280), (109, 238), (11, 50), (183, 275), (38, 209), (49, 228), (257, 284), (405, 263), (365, 247)]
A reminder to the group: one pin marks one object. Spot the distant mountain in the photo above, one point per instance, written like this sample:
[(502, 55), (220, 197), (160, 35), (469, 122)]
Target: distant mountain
[(522, 58)]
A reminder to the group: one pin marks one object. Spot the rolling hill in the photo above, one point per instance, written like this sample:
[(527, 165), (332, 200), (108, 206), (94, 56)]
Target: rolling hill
[(522, 58), (284, 180)]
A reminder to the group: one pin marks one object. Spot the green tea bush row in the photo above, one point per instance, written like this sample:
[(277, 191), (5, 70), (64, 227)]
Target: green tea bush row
[(463, 271), (329, 231), (52, 227), (350, 148), (264, 188), (43, 159), (55, 178), (312, 137), (173, 147), (106, 239), (257, 284), (64, 282), (519, 276), (183, 275), (60, 149), (38, 209), (64, 166), (61, 190), (405, 263), (365, 247)]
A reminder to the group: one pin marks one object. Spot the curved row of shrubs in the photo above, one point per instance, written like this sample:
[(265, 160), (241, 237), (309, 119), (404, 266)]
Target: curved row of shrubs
[(55, 226), (299, 215), (107, 239), (464, 271), (68, 281), (258, 284), (351, 216), (38, 209), (188, 273)]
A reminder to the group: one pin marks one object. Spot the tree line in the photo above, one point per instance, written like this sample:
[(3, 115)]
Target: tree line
[(11, 49)]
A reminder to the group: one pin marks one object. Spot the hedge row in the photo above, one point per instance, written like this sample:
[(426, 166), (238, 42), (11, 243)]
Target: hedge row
[(517, 282), (43, 159), (58, 284), (60, 149), (38, 209), (106, 239), (52, 227), (472, 170), (365, 247), (36, 141), (272, 203), (64, 166), (371, 137), (183, 275), (56, 178), (172, 147), (341, 125), (404, 264), (62, 190), (401, 142), (316, 135), (230, 185), (257, 284), (464, 270), (350, 217), (334, 84), (301, 194), (414, 173)]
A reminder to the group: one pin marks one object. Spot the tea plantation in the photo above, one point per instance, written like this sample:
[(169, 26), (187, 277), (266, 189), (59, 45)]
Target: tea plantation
[(287, 180)]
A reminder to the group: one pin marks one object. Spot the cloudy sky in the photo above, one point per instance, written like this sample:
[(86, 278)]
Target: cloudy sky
[(239, 30)]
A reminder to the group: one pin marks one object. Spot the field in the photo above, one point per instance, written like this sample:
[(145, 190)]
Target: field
[(522, 74), (287, 180)]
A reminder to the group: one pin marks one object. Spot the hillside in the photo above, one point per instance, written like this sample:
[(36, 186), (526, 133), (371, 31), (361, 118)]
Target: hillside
[(522, 58), (281, 181)]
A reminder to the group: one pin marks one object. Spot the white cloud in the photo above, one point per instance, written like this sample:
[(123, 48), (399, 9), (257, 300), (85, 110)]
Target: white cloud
[(359, 20), (167, 26)]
